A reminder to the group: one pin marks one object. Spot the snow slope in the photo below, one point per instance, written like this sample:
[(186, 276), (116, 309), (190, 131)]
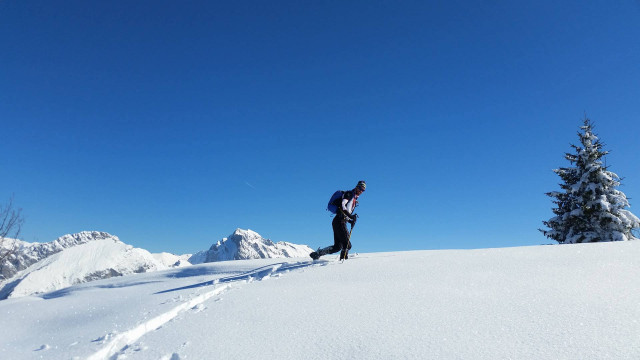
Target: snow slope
[(27, 254), (544, 302), (247, 244), (171, 260), (93, 260)]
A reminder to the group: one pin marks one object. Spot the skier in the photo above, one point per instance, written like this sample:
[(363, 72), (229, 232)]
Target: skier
[(344, 214)]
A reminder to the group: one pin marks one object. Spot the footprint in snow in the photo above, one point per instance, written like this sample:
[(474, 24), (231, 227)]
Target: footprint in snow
[(198, 308), (102, 339)]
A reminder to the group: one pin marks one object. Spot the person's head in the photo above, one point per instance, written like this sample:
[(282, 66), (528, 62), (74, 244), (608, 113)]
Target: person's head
[(361, 187)]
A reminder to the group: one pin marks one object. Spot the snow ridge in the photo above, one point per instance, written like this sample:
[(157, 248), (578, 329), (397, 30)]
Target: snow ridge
[(100, 257), (248, 244), (170, 260), (27, 254)]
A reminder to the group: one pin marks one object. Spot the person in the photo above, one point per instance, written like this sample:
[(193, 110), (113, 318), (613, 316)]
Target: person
[(344, 214)]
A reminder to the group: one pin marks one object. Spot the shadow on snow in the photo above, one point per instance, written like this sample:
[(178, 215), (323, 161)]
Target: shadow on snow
[(257, 274), (68, 290)]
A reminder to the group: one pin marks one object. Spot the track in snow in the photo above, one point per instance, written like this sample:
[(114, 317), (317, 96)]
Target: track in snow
[(121, 341)]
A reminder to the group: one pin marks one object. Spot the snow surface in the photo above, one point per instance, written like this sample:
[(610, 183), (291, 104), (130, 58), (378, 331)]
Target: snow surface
[(545, 302)]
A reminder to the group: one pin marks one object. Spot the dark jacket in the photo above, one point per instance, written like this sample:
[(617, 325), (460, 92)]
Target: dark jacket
[(341, 213)]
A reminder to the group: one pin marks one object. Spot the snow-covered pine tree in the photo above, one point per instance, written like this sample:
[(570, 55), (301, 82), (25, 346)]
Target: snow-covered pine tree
[(589, 208)]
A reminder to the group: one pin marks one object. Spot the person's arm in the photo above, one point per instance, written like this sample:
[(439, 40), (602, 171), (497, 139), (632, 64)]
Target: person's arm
[(344, 212)]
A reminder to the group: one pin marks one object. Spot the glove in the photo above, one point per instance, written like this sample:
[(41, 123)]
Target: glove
[(354, 218)]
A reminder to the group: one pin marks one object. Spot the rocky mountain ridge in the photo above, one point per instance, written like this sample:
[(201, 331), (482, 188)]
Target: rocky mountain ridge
[(26, 254), (248, 244)]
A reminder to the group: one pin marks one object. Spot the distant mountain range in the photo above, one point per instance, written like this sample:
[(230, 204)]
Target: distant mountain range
[(36, 268), (247, 244)]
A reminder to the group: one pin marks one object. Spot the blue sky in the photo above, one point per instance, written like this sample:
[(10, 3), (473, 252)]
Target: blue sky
[(171, 124)]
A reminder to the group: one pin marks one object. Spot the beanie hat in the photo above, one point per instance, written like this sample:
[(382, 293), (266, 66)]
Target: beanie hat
[(362, 185)]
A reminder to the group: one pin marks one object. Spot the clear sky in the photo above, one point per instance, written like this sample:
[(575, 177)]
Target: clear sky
[(172, 123)]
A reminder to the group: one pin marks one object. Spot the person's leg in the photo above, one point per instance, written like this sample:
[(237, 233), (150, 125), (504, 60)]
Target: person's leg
[(336, 224), (337, 241), (343, 239)]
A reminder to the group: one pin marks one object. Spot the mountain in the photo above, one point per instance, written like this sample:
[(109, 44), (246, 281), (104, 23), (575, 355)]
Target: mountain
[(94, 256), (27, 254), (36, 268), (247, 244)]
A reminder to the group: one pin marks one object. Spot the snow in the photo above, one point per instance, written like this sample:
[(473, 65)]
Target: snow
[(91, 255), (89, 261), (562, 302), (172, 260), (248, 244), (27, 254)]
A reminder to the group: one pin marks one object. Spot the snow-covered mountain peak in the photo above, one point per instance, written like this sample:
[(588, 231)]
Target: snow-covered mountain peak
[(82, 237), (248, 236), (75, 259), (248, 244), (27, 254)]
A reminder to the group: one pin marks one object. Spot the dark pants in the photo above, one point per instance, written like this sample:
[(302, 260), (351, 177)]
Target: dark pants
[(340, 237)]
